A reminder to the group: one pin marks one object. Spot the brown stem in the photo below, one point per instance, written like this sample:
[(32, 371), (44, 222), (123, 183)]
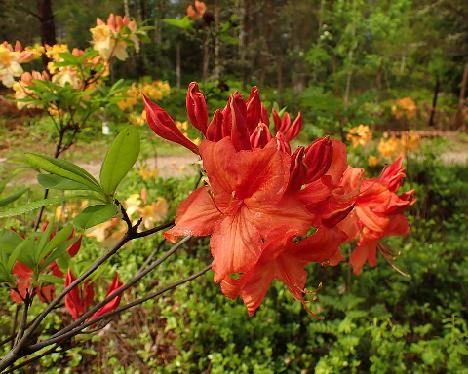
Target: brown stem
[(77, 330), (122, 289)]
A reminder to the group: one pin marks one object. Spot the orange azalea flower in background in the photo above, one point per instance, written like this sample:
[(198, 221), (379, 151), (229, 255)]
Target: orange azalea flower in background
[(359, 136), (261, 198), (373, 161), (198, 11), (404, 108)]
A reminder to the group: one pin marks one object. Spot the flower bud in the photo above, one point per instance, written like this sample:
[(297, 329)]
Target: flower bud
[(163, 125), (197, 110)]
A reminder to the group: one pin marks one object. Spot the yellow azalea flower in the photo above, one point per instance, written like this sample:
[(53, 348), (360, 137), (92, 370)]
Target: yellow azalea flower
[(410, 140), (373, 161), (155, 90), (182, 126), (136, 119), (132, 204), (68, 75), (389, 146), (154, 213), (148, 173), (53, 52), (359, 136), (36, 50), (109, 232), (9, 65), (109, 38), (69, 210)]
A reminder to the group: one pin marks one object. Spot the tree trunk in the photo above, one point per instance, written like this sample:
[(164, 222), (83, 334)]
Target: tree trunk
[(206, 58), (177, 70), (46, 15), (48, 32), (434, 102), (217, 62), (243, 14), (459, 120)]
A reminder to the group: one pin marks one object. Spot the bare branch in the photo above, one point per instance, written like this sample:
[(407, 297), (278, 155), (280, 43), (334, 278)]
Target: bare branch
[(77, 330)]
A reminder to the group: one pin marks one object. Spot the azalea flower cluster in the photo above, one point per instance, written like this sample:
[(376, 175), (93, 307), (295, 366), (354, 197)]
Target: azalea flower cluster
[(391, 146), (112, 38), (11, 59), (404, 108), (77, 301), (155, 90), (270, 211), (359, 136)]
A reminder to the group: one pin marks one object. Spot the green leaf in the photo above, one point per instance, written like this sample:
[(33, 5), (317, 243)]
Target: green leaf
[(55, 182), (13, 257), (94, 215), (59, 252), (64, 169), (27, 208), (49, 278), (119, 159), (13, 197), (183, 23), (58, 239)]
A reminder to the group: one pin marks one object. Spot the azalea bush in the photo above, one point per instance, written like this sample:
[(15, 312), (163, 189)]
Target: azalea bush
[(269, 210), (71, 90)]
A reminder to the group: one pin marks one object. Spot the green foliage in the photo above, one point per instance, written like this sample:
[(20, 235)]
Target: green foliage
[(119, 159)]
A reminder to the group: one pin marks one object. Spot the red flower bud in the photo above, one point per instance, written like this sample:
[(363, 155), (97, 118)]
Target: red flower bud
[(197, 110), (261, 136), (163, 125), (77, 301), (298, 170), (264, 117), (294, 129), (318, 158), (282, 143), (254, 109), (114, 303), (215, 130), (276, 120), (332, 219), (240, 135), (75, 247)]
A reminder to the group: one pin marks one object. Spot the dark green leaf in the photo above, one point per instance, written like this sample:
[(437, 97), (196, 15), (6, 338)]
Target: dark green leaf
[(27, 208), (94, 215), (119, 159), (13, 197), (55, 182)]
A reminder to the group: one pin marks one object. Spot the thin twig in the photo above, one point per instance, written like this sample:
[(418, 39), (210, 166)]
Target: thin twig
[(20, 348), (154, 230), (77, 330), (37, 357), (113, 295), (24, 319), (13, 330)]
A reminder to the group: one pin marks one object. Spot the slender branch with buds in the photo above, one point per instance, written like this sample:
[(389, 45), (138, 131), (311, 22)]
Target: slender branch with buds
[(24, 346)]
